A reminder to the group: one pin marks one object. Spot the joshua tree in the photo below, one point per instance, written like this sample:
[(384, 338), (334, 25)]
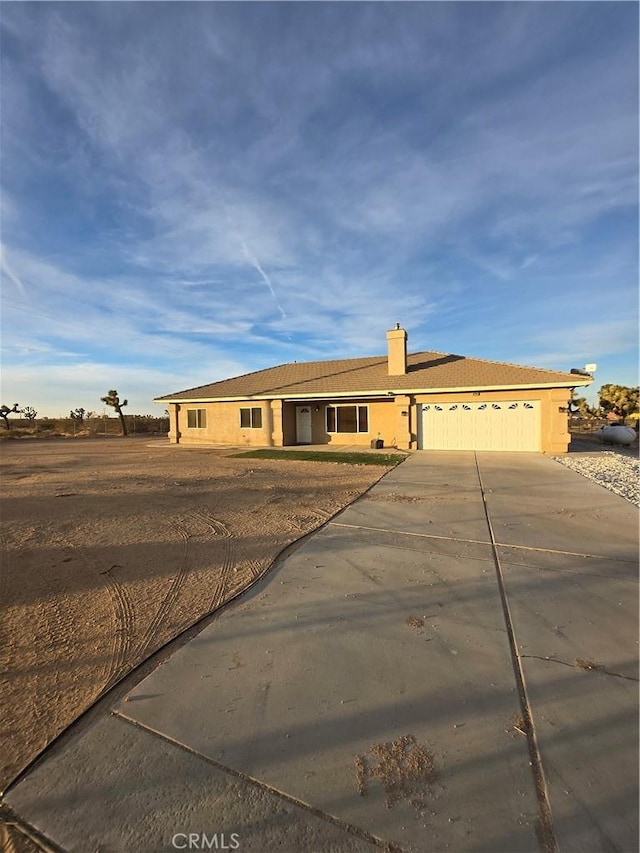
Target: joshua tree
[(5, 411), (30, 413), (580, 406), (619, 399), (77, 415), (113, 400)]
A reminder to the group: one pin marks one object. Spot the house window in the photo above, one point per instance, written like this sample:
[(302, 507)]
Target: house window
[(196, 418), (347, 419), (251, 418)]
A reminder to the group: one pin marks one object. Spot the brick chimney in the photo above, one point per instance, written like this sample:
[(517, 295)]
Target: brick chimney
[(397, 349)]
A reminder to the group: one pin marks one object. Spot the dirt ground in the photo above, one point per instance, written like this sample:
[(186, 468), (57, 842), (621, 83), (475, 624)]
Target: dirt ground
[(111, 547), (583, 442)]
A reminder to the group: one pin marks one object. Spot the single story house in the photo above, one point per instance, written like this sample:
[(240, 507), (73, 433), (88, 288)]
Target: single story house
[(424, 400)]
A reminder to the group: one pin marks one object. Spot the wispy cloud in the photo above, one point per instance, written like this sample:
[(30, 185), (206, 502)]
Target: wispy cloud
[(230, 185), (255, 263), (6, 270)]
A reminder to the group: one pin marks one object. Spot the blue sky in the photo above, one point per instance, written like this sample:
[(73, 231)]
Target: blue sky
[(196, 190)]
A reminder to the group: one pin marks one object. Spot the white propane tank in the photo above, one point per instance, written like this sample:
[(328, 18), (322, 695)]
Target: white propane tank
[(616, 434)]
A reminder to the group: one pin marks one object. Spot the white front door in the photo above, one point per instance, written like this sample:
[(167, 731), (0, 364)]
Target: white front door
[(303, 424)]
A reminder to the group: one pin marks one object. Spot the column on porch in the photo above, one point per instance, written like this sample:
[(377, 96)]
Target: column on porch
[(275, 409), (174, 423), (403, 422)]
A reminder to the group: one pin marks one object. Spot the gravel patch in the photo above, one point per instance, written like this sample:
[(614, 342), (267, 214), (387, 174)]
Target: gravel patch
[(618, 472)]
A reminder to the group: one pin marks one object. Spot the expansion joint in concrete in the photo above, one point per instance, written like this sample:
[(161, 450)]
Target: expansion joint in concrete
[(577, 572), (564, 553), (409, 533), (586, 666), (545, 830), (349, 828), (10, 819), (482, 542)]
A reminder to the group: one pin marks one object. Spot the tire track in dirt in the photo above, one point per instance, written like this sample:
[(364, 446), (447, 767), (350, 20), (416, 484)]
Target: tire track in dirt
[(256, 567), (170, 596), (218, 528), (200, 519), (52, 628), (223, 583), (324, 513), (125, 619), (48, 636), (4, 566), (305, 523), (197, 522)]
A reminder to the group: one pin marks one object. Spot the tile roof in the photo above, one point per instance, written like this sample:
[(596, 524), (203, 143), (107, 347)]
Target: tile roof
[(426, 371)]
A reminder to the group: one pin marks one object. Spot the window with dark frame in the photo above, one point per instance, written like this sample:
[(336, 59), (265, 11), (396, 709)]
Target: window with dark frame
[(196, 418), (347, 419), (251, 418)]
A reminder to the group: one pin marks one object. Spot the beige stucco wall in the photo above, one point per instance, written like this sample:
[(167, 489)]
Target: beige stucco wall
[(223, 425), (554, 422), (279, 423), (383, 422), (395, 420)]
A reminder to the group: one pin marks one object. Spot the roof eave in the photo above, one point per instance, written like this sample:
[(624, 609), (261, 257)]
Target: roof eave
[(574, 382)]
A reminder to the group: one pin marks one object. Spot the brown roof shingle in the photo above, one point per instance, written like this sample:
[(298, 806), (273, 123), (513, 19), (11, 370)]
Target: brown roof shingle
[(426, 371)]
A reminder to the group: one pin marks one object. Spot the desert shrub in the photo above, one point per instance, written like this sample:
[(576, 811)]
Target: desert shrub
[(87, 428)]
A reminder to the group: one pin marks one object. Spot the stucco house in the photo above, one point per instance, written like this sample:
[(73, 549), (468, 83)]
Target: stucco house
[(424, 400)]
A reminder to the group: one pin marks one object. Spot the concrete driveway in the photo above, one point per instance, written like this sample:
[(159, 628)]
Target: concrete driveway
[(450, 664)]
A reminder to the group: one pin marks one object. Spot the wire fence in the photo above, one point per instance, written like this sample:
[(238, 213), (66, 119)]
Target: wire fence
[(587, 426), (88, 427)]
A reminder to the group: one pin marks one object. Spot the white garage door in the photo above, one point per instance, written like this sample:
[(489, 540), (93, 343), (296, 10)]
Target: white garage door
[(507, 425)]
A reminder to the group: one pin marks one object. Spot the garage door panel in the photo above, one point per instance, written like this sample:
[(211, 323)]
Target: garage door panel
[(469, 425)]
